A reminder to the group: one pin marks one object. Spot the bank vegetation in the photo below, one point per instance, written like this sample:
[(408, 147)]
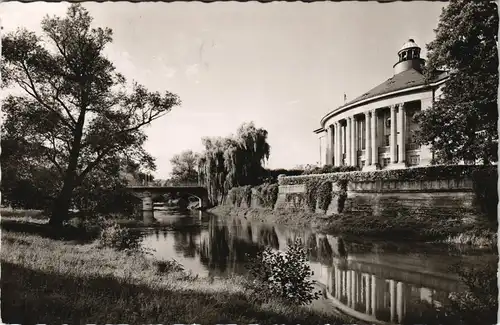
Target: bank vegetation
[(50, 280)]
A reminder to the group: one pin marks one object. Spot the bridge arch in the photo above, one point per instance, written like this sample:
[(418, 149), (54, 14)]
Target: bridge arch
[(148, 193)]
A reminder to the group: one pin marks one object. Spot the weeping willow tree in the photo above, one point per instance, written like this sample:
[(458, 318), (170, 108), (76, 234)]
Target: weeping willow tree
[(233, 161)]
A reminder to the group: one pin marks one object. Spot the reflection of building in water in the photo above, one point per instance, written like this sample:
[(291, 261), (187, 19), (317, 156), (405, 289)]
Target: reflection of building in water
[(377, 288), (383, 292)]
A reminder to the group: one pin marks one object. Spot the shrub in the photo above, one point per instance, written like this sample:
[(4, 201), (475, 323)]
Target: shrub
[(324, 194), (267, 194), (311, 189), (319, 190), (120, 238), (440, 172), (485, 188), (236, 195), (329, 169), (285, 275), (168, 266), (297, 199), (478, 304), (85, 225)]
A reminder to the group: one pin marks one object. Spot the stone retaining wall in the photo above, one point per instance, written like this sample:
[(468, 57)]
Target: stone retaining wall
[(453, 197)]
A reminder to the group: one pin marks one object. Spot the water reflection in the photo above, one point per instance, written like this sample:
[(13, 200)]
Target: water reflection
[(375, 287)]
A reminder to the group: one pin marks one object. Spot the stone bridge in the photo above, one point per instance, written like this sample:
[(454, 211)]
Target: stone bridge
[(149, 192)]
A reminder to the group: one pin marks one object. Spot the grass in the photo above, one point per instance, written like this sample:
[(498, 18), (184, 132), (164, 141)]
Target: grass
[(24, 214), (402, 227), (51, 281)]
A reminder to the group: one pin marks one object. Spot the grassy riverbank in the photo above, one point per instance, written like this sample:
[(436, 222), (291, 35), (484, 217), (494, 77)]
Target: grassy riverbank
[(401, 227), (53, 281)]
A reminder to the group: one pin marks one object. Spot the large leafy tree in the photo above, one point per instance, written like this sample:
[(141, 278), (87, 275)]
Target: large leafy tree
[(233, 161), (184, 167), (74, 107), (462, 124)]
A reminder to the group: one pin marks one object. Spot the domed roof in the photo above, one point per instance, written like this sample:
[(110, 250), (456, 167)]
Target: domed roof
[(411, 43)]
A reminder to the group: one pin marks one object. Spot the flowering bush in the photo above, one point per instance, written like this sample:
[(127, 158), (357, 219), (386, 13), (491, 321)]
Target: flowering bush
[(285, 275)]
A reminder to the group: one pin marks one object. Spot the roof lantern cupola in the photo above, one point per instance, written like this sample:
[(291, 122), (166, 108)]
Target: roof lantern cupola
[(409, 58)]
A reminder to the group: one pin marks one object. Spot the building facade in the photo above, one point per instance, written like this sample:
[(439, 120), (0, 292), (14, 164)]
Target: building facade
[(376, 130)]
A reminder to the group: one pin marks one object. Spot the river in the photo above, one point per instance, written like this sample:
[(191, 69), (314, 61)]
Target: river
[(378, 282)]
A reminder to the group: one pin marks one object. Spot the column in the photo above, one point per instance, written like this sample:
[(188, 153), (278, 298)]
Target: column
[(334, 139), (328, 147), (337, 144), (425, 151), (367, 293), (337, 282), (354, 137), (392, 139), (359, 278), (400, 301), (344, 283), (348, 141), (331, 140), (368, 150), (401, 135), (349, 288), (344, 144), (374, 294), (354, 288), (392, 294), (373, 138)]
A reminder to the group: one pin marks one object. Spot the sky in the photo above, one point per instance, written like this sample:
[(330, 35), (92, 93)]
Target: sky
[(281, 65)]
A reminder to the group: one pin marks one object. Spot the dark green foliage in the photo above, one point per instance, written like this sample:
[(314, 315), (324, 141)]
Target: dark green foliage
[(285, 275), (441, 172), (267, 194), (462, 125), (184, 168), (120, 238), (324, 195), (484, 181), (319, 192), (296, 199), (238, 195), (485, 187), (311, 195), (168, 266), (104, 191), (329, 169), (479, 303)]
